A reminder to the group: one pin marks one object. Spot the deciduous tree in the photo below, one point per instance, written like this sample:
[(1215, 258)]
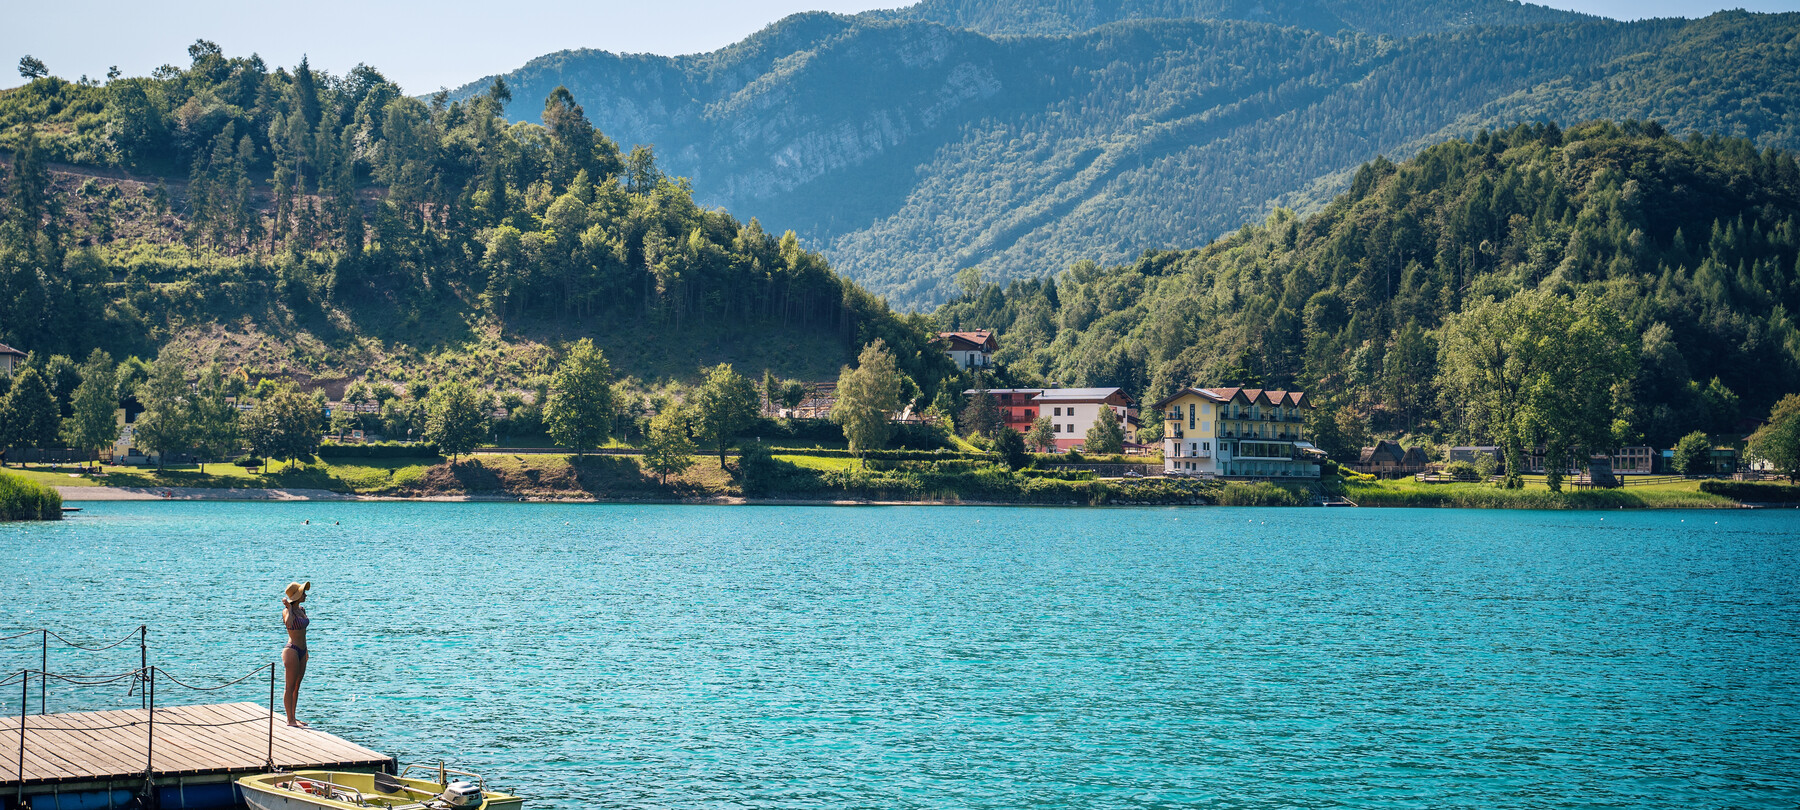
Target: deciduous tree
[(1693, 454), (217, 429), (1778, 441), (724, 405), (1537, 368), (454, 420), (580, 409), (93, 423), (668, 450), (1106, 436), (166, 425), (868, 396), (283, 425), (1040, 437), (28, 416)]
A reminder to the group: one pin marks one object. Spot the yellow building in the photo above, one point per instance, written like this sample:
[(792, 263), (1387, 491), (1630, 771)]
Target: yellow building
[(1236, 432)]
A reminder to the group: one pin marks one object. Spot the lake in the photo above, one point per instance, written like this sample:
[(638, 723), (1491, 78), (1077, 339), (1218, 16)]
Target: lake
[(946, 657)]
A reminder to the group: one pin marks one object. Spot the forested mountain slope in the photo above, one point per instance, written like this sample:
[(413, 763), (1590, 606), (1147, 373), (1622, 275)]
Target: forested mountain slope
[(910, 149), (1397, 17), (1694, 242), (290, 220)]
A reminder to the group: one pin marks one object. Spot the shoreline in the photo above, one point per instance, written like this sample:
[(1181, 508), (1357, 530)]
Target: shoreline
[(292, 495), (302, 495)]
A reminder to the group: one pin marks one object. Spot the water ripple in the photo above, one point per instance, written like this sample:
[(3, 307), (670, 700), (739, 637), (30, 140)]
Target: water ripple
[(704, 657)]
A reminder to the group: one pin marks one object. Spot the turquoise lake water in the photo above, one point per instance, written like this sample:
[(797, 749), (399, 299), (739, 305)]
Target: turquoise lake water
[(940, 657)]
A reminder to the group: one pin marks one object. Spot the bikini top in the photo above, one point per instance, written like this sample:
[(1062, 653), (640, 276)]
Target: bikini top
[(297, 618)]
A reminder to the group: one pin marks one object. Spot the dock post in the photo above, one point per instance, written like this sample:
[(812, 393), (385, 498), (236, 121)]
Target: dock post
[(24, 708), (143, 657), (43, 670), (270, 762), (150, 744)]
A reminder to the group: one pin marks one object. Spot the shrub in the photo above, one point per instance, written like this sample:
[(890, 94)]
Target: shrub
[(1261, 493), (24, 499), (886, 455), (1060, 475), (1750, 491), (247, 462), (379, 450), (1462, 471)]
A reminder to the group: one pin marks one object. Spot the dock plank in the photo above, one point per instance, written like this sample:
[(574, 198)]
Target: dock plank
[(200, 739)]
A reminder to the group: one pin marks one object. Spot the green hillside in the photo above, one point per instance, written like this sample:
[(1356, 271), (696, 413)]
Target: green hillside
[(1694, 243), (293, 221), (1400, 18), (911, 145)]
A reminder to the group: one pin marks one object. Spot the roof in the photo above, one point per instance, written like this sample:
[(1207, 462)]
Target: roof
[(1382, 448), (1080, 394), (973, 391), (1248, 396), (979, 340), (5, 349)]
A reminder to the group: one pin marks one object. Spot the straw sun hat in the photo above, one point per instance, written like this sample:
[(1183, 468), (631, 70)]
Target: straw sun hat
[(295, 590)]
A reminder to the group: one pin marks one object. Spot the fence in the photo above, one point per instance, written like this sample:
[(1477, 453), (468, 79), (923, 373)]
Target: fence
[(145, 676)]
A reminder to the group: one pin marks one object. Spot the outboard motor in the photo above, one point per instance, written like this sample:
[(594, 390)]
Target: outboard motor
[(461, 793)]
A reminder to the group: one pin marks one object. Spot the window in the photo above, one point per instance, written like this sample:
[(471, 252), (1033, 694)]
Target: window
[(1059, 412), (1028, 416), (1056, 427), (1071, 428), (1190, 416)]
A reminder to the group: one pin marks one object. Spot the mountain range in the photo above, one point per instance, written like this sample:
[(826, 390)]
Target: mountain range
[(1021, 138)]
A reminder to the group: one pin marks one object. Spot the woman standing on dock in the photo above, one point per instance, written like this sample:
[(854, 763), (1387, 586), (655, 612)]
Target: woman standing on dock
[(293, 657)]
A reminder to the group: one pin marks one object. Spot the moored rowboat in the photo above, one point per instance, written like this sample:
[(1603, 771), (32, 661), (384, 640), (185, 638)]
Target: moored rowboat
[(340, 790)]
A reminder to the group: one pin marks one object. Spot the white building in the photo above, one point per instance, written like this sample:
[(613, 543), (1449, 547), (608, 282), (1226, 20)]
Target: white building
[(970, 349)]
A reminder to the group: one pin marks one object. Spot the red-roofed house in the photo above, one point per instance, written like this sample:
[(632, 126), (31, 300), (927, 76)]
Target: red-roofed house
[(970, 349), (1236, 432), (10, 357)]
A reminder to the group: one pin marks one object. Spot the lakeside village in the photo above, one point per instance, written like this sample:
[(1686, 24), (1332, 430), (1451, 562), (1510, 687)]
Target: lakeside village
[(1094, 445)]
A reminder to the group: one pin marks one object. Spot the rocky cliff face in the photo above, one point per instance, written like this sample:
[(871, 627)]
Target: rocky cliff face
[(910, 149)]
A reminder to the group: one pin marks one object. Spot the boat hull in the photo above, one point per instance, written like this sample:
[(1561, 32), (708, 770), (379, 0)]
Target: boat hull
[(355, 791)]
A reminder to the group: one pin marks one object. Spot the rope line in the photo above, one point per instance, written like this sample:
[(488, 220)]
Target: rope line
[(58, 636), (53, 634), (89, 680), (163, 673)]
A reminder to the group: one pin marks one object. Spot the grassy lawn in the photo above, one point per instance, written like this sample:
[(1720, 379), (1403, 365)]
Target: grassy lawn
[(820, 463), (342, 475), (1535, 495)]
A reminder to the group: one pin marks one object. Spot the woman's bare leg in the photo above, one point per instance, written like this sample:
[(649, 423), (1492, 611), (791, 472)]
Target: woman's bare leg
[(296, 670)]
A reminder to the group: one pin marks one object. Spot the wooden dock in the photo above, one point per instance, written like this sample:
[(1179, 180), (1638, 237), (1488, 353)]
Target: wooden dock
[(102, 757)]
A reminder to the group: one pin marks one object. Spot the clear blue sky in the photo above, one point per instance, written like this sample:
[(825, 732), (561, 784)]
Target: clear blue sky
[(423, 45)]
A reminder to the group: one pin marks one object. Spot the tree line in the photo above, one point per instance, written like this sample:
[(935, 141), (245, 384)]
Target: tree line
[(306, 192)]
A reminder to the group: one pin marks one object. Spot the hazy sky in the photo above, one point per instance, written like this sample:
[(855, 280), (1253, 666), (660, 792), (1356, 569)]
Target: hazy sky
[(423, 45)]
